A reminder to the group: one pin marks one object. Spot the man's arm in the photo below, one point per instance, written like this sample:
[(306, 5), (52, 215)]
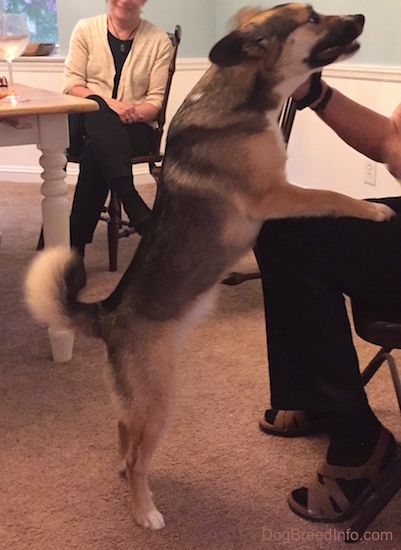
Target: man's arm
[(360, 127), (372, 134)]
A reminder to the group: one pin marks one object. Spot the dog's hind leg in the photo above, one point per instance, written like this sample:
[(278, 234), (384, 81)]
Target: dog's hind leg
[(123, 445), (138, 465), (146, 416), (141, 448), (146, 419)]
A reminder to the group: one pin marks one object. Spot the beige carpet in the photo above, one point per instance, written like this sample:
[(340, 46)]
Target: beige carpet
[(219, 481)]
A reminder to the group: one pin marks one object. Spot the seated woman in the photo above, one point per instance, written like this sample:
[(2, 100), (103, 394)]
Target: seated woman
[(121, 61)]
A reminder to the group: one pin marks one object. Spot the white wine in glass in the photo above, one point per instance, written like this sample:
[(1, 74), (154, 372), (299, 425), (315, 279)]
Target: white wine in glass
[(14, 38)]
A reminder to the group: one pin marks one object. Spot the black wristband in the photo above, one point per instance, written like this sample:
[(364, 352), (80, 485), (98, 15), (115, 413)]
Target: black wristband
[(315, 91), (325, 99)]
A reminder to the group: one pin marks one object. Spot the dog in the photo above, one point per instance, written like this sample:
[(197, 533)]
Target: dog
[(223, 175)]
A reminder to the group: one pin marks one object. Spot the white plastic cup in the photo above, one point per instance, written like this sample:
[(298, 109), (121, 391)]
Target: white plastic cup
[(61, 343)]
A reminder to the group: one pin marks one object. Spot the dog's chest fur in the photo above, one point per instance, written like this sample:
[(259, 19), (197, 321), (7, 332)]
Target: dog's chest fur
[(228, 134), (223, 153)]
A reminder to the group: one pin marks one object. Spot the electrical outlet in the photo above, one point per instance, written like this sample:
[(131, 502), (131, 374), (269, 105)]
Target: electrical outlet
[(369, 175)]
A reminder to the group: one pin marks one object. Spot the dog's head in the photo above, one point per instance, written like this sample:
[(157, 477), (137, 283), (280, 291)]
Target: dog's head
[(289, 35)]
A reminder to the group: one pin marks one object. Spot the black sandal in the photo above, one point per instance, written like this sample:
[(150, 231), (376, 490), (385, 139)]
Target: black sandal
[(291, 423), (327, 502)]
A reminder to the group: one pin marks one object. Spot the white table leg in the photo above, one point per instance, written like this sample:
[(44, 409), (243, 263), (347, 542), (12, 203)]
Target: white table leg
[(53, 141)]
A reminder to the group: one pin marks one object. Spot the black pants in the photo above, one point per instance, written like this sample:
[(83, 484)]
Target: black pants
[(105, 157), (307, 264)]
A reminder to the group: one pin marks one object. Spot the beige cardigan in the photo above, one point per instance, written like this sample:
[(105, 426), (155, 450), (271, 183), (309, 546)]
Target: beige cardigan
[(90, 62)]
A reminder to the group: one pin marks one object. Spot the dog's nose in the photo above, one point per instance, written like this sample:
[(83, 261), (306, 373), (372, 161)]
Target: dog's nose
[(359, 20)]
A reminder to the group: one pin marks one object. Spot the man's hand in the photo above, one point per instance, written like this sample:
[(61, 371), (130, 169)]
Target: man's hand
[(302, 90), (392, 146), (311, 92)]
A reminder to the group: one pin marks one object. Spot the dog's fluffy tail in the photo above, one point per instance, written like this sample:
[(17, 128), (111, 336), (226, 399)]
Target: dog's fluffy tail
[(51, 292)]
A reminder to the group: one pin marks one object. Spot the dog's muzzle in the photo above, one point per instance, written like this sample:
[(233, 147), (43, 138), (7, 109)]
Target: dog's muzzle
[(339, 41)]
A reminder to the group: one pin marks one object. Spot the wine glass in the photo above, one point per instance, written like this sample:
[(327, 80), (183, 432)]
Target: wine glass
[(14, 37)]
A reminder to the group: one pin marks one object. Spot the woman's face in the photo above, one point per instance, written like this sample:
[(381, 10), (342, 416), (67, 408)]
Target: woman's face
[(123, 10)]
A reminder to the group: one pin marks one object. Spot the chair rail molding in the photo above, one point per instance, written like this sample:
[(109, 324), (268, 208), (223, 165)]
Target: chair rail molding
[(21, 163), (382, 73)]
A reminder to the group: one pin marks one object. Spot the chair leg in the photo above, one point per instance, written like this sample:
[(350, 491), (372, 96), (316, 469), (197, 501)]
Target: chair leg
[(376, 502), (374, 365), (113, 227), (112, 237), (395, 377), (383, 355), (41, 241)]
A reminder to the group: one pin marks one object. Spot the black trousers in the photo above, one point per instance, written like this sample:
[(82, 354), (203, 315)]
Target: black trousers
[(105, 156), (307, 266)]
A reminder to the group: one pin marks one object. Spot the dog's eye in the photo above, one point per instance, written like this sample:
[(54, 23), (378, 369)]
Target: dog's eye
[(314, 18), (260, 39)]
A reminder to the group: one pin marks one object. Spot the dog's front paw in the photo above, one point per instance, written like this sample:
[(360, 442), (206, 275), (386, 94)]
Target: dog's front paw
[(381, 212), (152, 520)]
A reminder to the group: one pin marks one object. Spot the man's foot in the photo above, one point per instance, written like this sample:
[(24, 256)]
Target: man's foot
[(339, 492), (292, 423)]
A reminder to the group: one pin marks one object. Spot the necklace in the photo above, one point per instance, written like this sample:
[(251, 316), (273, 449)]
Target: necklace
[(123, 40)]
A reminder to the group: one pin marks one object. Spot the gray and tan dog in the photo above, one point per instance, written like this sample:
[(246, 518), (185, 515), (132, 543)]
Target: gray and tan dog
[(223, 175)]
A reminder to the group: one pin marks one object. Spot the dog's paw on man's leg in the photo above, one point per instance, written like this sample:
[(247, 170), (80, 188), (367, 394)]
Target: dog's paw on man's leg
[(382, 212)]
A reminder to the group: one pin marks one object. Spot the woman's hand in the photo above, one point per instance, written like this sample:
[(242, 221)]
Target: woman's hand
[(128, 113)]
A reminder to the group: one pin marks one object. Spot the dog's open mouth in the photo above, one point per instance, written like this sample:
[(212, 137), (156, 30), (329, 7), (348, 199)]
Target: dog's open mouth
[(340, 42), (329, 55)]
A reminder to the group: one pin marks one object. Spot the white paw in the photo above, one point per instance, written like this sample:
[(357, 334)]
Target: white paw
[(152, 520), (383, 212)]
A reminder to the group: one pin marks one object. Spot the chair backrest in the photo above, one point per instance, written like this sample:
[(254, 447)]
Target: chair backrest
[(286, 118), (161, 118), (286, 122)]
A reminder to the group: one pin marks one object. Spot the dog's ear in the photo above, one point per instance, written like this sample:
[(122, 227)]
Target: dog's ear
[(260, 45), (237, 46), (228, 51)]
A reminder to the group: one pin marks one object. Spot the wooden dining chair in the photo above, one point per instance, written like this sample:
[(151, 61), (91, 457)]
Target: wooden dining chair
[(117, 226), (286, 122), (383, 328)]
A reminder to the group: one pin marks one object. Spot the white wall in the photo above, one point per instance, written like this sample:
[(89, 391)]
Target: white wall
[(205, 21), (381, 38), (317, 157), (197, 18)]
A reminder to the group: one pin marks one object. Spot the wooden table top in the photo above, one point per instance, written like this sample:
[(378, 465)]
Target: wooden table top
[(44, 102)]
